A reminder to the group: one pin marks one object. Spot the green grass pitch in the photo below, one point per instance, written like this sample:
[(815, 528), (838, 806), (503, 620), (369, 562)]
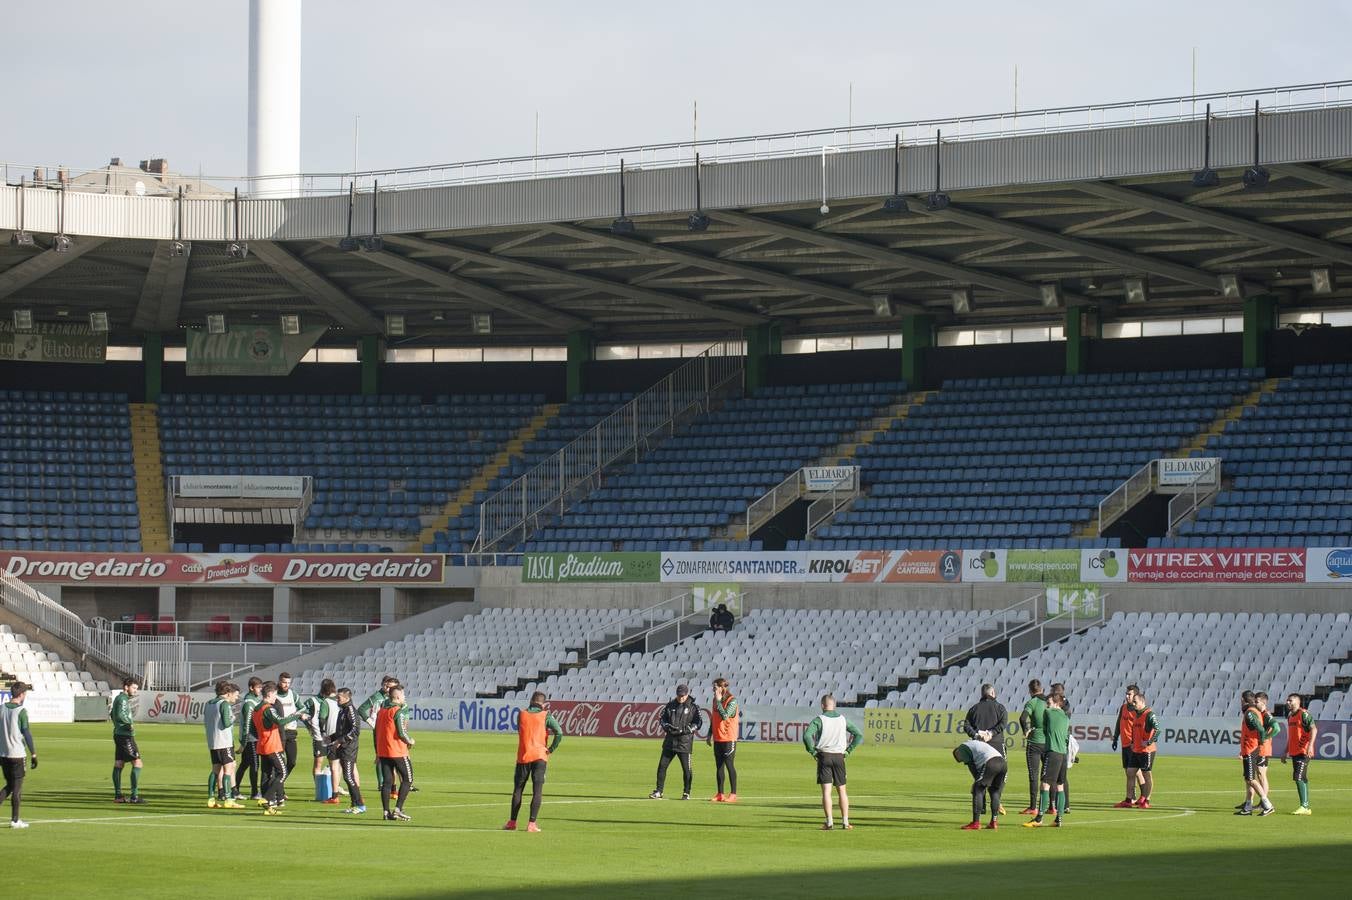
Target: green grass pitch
[(602, 838)]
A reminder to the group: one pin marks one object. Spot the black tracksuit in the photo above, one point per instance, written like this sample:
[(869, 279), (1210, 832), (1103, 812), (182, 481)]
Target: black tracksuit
[(988, 715), (680, 720), (343, 747)]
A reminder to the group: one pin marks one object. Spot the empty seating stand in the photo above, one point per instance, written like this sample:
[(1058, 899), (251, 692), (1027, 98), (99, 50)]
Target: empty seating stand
[(379, 462), (1022, 462), (1290, 458), (690, 487), (66, 476)]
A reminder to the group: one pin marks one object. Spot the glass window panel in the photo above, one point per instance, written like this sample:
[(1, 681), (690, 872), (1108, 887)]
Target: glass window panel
[(956, 337), (123, 354), (550, 354), (1203, 326), (458, 354), (870, 342), (799, 345), (1339, 319), (834, 344), (1161, 327), (617, 351), (338, 355), (658, 351), (506, 354), (175, 354)]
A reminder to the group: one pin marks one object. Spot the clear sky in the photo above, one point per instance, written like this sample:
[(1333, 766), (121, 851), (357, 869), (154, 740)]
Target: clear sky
[(446, 80)]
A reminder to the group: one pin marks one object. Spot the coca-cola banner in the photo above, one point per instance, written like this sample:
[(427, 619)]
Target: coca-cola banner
[(130, 569)]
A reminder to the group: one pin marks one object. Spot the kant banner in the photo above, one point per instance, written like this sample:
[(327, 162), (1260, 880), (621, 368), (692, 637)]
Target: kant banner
[(52, 343), (563, 568), (248, 350)]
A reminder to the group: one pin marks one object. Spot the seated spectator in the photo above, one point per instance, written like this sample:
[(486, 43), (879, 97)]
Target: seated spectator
[(724, 617), (716, 619)]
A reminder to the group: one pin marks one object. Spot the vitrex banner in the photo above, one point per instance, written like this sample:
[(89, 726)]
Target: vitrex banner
[(1328, 564), (1217, 566), (226, 568)]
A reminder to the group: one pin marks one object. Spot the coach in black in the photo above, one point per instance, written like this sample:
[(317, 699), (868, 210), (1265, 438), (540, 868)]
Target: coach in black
[(680, 720), (987, 715)]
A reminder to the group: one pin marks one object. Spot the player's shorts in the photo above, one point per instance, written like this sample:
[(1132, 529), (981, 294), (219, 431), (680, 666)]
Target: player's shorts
[(1262, 761), (223, 756), (13, 768), (831, 769), (1300, 768), (1054, 768), (1126, 756), (1143, 761), (125, 749), (321, 751), (534, 772), (1250, 764), (344, 752), (723, 750)]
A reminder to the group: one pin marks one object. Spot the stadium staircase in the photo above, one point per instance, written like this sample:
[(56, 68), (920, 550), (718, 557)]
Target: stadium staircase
[(1198, 443), (884, 419), (472, 491), (150, 480)]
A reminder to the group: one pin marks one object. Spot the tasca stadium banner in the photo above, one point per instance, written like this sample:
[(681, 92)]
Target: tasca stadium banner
[(198, 569)]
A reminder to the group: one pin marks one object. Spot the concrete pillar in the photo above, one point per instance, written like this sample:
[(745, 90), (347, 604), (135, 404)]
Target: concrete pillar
[(581, 345), (152, 360), (389, 605), (762, 342), (917, 336), (281, 613), (1082, 326), (368, 353), (274, 96), (168, 597), (1260, 317)]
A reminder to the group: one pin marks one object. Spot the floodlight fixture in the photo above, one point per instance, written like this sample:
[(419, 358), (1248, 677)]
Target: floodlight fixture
[(98, 322), (216, 323), (1231, 287), (1256, 177), (394, 325), (1051, 295), (177, 249), (290, 323), (962, 301), (882, 306), (1207, 177), (1321, 280), (1135, 290), (23, 320), (61, 243), (622, 225), (938, 200), (22, 239), (481, 323)]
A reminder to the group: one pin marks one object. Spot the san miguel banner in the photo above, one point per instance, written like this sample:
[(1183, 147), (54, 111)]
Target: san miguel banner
[(563, 568), (131, 569), (248, 350), (1217, 566), (52, 343)]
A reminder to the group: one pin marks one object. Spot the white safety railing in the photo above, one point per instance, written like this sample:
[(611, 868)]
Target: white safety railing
[(988, 630), (246, 631), (1126, 495), (1199, 490), (659, 625), (773, 502), (514, 513), (1076, 617), (727, 150), (823, 509)]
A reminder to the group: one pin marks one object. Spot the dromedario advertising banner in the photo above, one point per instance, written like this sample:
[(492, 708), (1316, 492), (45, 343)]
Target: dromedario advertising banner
[(131, 569)]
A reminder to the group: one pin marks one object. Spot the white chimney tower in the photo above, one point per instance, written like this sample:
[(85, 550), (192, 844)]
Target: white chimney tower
[(274, 97)]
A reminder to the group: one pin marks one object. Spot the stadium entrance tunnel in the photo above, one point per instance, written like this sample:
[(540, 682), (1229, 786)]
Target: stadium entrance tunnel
[(789, 525), (1148, 518)]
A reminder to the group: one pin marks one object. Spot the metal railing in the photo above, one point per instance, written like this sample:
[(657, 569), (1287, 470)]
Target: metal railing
[(131, 652), (823, 509), (217, 631), (627, 434), (736, 149), (1199, 490), (642, 626), (1126, 495), (773, 502), (989, 630), (1072, 620)]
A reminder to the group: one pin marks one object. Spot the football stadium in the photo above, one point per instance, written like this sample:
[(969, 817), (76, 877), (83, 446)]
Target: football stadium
[(1004, 460)]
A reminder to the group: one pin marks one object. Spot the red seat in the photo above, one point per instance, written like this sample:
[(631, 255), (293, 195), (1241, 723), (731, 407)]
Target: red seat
[(251, 628), (166, 625), (142, 625), (219, 627)]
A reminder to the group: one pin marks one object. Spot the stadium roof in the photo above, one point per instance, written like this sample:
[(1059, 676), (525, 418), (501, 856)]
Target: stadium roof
[(1092, 200)]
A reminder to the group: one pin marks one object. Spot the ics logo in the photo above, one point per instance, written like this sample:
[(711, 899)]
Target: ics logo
[(1339, 563), (1107, 562)]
